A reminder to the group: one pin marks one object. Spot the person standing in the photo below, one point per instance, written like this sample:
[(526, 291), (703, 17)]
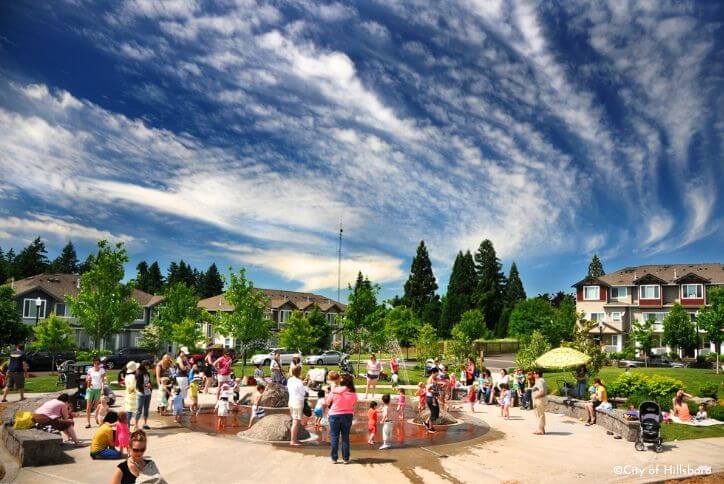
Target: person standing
[(131, 399), (17, 372), (341, 400), (539, 392), (432, 392), (209, 370), (581, 381), (143, 394), (373, 374), (297, 394), (163, 369), (182, 370), (223, 369), (276, 369), (95, 380), (395, 370)]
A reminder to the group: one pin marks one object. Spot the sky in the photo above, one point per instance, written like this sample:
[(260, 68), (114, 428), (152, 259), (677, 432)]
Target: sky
[(242, 133)]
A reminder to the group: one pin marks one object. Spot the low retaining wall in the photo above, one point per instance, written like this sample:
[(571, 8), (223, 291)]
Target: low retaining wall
[(609, 419)]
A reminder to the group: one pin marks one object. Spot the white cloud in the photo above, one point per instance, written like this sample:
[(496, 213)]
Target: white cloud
[(60, 228)]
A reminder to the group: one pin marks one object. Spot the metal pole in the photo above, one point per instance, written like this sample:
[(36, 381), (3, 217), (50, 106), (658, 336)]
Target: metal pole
[(339, 264)]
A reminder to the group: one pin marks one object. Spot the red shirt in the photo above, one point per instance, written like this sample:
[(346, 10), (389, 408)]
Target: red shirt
[(371, 417), (470, 371), (394, 365)]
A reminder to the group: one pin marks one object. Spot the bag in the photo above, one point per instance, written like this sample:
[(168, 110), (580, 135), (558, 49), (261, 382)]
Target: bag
[(23, 420), (150, 475), (307, 410)]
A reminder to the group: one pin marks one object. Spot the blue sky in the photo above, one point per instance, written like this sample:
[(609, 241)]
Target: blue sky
[(242, 132)]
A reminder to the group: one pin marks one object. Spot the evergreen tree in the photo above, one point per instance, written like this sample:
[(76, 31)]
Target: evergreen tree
[(173, 276), (86, 264), (67, 261), (155, 279), (211, 283), (361, 281), (31, 260), (490, 283), (595, 268), (420, 288), (7, 265), (560, 298), (514, 293), (142, 276), (4, 269), (12, 328)]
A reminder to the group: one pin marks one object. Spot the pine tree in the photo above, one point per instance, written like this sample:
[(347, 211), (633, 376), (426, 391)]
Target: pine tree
[(67, 261), (8, 264), (420, 288), (211, 283), (460, 290), (32, 260), (4, 269), (173, 275), (514, 293), (595, 268), (142, 276), (490, 283), (361, 281), (86, 264), (155, 279)]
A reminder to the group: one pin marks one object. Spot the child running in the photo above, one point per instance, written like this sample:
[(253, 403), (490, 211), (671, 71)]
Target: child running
[(102, 410), (222, 411), (372, 422), (177, 404), (387, 416), (420, 394), (256, 410), (123, 434), (401, 402), (319, 409), (504, 400)]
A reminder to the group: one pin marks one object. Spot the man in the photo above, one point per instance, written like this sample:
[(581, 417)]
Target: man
[(17, 372), (539, 392), (297, 394), (95, 379)]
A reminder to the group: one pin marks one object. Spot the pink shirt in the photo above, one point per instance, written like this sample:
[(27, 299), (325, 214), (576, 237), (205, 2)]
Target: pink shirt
[(342, 400), (52, 409)]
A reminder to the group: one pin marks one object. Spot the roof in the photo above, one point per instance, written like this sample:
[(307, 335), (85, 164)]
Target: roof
[(61, 285), (277, 298), (668, 273), (591, 281)]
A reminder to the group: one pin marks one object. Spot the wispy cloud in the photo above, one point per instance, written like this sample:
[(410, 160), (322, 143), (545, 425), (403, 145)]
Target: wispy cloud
[(35, 224)]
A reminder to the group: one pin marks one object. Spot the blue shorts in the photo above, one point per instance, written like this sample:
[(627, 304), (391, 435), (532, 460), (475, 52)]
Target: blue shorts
[(318, 412)]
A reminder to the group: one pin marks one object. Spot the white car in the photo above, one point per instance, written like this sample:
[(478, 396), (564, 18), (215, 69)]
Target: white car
[(330, 357), (285, 356)]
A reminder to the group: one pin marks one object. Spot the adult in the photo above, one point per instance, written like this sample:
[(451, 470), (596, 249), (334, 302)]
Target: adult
[(432, 391), (341, 400), (539, 392), (102, 444), (275, 367), (144, 390), (470, 373), (137, 465), (503, 378), (374, 368), (223, 370), (131, 400), (297, 395), (394, 369), (163, 369), (182, 370), (95, 380), (581, 381), (598, 397), (56, 413), (17, 371), (296, 361), (485, 385), (209, 370), (679, 408)]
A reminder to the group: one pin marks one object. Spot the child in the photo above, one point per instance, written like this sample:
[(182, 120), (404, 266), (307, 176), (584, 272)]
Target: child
[(256, 410), (319, 409), (237, 388), (504, 400), (472, 395), (387, 416), (123, 434), (222, 411), (420, 394), (259, 374), (701, 414), (166, 393), (194, 396), (177, 404), (102, 410), (401, 402), (519, 382), (372, 422)]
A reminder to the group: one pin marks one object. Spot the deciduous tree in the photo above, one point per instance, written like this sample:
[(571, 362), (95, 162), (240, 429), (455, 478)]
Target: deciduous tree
[(711, 319), (679, 331), (298, 333)]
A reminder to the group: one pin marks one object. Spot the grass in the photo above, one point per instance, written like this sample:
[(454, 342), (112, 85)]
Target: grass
[(411, 376), (671, 432)]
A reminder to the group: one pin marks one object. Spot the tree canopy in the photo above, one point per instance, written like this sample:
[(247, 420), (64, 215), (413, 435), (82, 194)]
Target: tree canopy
[(12, 329), (595, 268), (679, 332), (67, 261), (711, 319), (490, 283), (460, 291), (298, 333), (420, 295)]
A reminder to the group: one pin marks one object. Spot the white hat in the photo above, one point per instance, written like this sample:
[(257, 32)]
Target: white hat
[(184, 350), (131, 366)]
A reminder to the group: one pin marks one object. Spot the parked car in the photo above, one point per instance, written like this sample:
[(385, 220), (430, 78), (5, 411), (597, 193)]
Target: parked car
[(657, 361), (265, 358), (330, 357), (43, 360), (125, 355)]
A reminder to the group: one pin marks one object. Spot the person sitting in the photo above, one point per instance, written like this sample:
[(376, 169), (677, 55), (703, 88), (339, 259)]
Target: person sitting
[(57, 415), (102, 445), (137, 466), (701, 414), (598, 397), (679, 408)]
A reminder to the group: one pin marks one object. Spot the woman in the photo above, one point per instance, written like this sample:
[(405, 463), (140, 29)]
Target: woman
[(341, 400), (598, 398), (470, 373), (581, 381), (485, 383), (275, 367), (296, 361), (56, 413), (503, 378), (182, 370), (163, 369), (131, 400), (431, 393), (136, 465), (209, 370), (223, 369), (373, 374), (679, 408), (143, 394)]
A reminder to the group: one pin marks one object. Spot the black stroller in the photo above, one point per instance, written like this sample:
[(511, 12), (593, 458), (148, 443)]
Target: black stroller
[(650, 430)]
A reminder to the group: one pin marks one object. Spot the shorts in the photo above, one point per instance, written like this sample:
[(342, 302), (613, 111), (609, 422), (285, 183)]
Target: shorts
[(223, 412), (208, 371), (16, 380), (297, 411), (469, 382), (224, 378), (370, 376), (318, 412), (56, 423), (372, 429), (93, 395), (595, 403)]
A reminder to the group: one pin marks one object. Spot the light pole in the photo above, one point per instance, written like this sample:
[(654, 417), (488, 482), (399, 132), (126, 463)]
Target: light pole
[(38, 302)]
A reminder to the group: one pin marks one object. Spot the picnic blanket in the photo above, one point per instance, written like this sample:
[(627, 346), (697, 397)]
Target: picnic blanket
[(698, 423)]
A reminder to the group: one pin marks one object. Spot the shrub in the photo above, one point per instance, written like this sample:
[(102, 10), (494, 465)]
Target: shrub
[(716, 412), (638, 398), (83, 355), (701, 362), (656, 386), (710, 390), (711, 357)]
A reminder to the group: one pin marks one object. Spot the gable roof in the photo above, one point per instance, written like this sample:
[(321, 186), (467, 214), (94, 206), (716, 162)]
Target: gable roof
[(668, 273), (277, 298), (592, 281), (60, 285)]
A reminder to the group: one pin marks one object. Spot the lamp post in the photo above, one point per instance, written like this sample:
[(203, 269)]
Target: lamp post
[(38, 302)]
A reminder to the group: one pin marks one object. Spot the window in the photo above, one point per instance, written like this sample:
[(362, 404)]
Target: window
[(591, 293), (209, 330), (657, 317), (616, 317), (331, 318), (30, 309), (649, 292), (139, 316), (60, 310), (692, 291), (596, 317), (227, 342), (619, 292), (284, 315)]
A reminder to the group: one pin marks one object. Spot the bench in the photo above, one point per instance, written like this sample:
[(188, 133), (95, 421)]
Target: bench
[(612, 420)]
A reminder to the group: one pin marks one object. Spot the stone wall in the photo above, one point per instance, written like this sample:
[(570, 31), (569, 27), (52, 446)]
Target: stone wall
[(609, 419)]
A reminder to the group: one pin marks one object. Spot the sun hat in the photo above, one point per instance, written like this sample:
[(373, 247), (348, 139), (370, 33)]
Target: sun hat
[(184, 350), (131, 366)]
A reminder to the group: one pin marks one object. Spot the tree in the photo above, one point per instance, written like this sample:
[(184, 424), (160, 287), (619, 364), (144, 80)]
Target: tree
[(401, 324), (150, 339), (322, 328), (187, 332), (6, 265), (460, 291), (104, 304), (421, 286), (12, 329), (53, 334), (67, 261), (298, 333), (31, 260), (472, 325), (532, 349), (711, 319), (563, 325), (181, 272), (643, 335), (86, 264), (531, 315), (513, 294), (460, 346), (427, 344), (583, 342), (155, 284), (679, 332), (360, 323), (247, 322), (595, 268), (142, 276), (489, 290), (211, 283), (560, 298), (179, 306)]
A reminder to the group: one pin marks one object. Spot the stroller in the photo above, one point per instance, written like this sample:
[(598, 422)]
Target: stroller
[(346, 367), (650, 430)]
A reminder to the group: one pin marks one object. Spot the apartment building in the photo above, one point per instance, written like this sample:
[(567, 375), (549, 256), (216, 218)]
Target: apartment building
[(616, 300)]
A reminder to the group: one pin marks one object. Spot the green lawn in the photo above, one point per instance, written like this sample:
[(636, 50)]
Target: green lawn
[(672, 432)]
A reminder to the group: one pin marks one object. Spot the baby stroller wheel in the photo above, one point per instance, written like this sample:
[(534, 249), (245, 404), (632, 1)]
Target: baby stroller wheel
[(659, 448), (639, 445)]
